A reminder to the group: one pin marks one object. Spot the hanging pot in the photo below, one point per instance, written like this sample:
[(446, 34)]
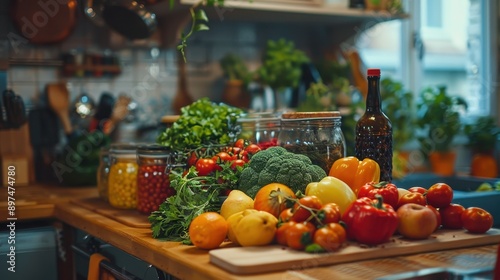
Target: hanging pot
[(129, 18), (44, 22), (93, 11)]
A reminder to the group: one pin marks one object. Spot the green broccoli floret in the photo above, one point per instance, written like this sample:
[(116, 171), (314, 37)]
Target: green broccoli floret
[(317, 172), (277, 165), (260, 159)]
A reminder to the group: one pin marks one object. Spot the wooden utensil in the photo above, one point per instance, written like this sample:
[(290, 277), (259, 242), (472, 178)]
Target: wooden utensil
[(58, 97), (357, 70)]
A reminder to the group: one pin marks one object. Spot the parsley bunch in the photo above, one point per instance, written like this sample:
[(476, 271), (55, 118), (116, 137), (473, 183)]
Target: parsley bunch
[(202, 123), (194, 196)]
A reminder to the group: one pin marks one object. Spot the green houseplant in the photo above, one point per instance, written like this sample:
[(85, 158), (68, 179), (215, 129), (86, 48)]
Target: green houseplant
[(237, 78), (438, 115), (281, 67), (483, 136), (399, 106)]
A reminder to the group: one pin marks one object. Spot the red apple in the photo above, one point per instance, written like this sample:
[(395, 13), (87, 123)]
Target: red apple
[(416, 221)]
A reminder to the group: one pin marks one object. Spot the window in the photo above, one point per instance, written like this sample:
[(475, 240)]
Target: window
[(444, 42)]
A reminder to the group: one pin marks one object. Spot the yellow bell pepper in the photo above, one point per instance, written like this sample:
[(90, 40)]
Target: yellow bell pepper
[(331, 189), (354, 172)]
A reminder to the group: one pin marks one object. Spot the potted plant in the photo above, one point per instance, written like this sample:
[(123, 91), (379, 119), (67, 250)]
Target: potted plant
[(483, 136), (398, 104), (438, 114), (237, 78), (281, 68)]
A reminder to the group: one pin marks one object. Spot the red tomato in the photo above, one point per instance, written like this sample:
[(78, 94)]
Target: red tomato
[(412, 197), (240, 143), (243, 155), (280, 235), (476, 220), (329, 213), (438, 215), (300, 213), (192, 159), (388, 191), (439, 195), (237, 162), (417, 189), (286, 215), (451, 216), (339, 230), (328, 239), (252, 149), (221, 157), (205, 166), (299, 235)]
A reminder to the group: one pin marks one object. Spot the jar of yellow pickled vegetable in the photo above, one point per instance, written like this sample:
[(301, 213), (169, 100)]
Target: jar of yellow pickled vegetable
[(122, 180), (103, 173)]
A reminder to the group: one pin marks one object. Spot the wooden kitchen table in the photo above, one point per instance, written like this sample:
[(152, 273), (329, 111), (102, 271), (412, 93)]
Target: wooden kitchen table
[(37, 201), (188, 262)]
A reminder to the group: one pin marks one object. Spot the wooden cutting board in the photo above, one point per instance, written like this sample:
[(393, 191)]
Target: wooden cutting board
[(248, 260), (129, 217)]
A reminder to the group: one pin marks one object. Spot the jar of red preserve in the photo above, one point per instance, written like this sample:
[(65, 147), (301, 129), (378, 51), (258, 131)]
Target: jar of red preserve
[(261, 128), (153, 185)]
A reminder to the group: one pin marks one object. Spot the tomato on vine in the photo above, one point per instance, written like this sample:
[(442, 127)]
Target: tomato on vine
[(205, 166)]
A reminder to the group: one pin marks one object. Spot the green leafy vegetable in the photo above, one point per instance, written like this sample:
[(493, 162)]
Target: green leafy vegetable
[(202, 123), (194, 196)]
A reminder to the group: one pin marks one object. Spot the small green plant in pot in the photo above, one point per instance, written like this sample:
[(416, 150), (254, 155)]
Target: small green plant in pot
[(399, 105), (483, 137), (237, 78), (438, 115), (281, 67)]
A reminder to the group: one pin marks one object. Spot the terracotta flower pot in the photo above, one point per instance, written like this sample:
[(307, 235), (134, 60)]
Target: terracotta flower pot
[(484, 165), (443, 163), (235, 94), (377, 5)]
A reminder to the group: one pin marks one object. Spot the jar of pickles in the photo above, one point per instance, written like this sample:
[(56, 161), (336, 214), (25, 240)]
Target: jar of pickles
[(122, 180), (103, 173), (153, 184), (316, 135), (261, 128)]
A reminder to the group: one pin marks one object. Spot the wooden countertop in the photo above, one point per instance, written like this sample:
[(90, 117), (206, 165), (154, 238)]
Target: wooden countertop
[(188, 262), (37, 201)]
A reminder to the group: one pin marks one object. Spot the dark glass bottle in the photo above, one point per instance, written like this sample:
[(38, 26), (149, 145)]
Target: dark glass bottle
[(374, 129)]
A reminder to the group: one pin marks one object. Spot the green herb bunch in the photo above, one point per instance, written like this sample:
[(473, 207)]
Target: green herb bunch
[(281, 65), (202, 123), (235, 69), (194, 196)]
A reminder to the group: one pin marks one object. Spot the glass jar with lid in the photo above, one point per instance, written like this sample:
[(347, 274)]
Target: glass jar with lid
[(103, 173), (122, 180), (153, 184), (261, 128), (316, 135)]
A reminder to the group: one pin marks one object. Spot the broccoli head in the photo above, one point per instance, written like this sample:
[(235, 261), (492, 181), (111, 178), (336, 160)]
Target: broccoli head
[(277, 165)]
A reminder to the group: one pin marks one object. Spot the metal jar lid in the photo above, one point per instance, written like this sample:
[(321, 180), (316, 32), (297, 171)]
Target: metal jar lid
[(293, 116)]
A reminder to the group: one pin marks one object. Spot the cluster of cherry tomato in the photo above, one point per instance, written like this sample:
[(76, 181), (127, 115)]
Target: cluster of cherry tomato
[(450, 215), (312, 226), (236, 155)]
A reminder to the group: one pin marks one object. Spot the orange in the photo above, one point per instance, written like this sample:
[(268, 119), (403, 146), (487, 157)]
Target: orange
[(208, 230)]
